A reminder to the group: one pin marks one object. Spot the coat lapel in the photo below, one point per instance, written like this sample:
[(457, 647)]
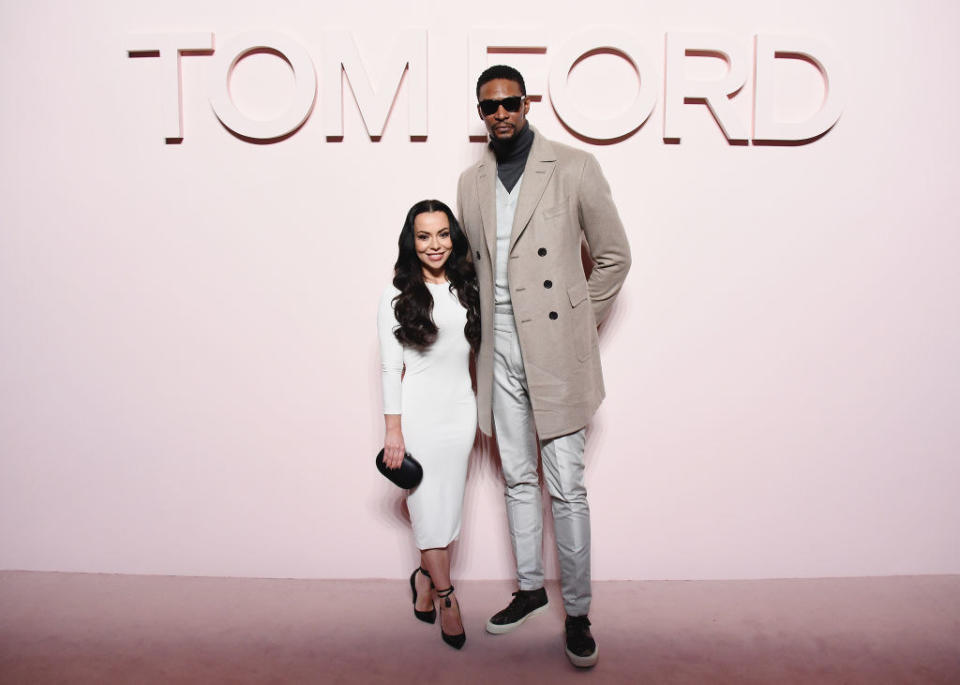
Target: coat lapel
[(487, 196), (536, 174)]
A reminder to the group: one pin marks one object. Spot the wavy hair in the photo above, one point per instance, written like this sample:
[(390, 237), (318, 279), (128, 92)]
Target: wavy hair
[(413, 307)]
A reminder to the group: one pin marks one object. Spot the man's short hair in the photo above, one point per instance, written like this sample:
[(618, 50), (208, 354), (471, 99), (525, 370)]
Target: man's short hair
[(504, 72)]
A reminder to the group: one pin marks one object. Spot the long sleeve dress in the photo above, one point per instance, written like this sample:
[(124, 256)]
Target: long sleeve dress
[(438, 412)]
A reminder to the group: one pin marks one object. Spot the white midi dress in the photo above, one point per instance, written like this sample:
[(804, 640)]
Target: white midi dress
[(438, 412)]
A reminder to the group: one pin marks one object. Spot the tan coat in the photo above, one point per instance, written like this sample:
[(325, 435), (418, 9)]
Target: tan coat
[(563, 196)]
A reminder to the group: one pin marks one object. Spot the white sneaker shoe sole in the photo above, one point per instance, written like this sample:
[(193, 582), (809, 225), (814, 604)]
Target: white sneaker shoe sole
[(510, 627)]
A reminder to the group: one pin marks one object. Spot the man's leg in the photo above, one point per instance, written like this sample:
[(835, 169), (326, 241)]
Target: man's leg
[(563, 471), (517, 443)]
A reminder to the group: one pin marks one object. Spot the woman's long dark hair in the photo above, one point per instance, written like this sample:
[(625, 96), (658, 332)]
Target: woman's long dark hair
[(413, 307)]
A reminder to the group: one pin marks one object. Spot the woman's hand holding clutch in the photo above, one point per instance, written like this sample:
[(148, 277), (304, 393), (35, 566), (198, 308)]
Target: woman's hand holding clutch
[(393, 445)]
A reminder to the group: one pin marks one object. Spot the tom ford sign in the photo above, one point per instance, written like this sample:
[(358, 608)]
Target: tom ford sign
[(340, 59)]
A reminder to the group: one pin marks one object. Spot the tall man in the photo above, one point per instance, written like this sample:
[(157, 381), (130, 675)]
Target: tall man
[(525, 207)]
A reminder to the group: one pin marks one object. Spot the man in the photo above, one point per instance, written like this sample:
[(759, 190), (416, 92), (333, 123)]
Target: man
[(524, 208)]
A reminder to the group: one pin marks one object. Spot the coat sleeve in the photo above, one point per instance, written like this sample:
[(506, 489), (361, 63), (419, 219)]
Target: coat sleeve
[(606, 239), (391, 353)]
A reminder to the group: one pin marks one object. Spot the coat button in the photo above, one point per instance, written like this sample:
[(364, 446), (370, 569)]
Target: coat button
[(542, 252), (553, 315), (478, 255), (548, 284)]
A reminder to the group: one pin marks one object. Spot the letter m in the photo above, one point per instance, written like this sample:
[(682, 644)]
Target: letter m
[(375, 97)]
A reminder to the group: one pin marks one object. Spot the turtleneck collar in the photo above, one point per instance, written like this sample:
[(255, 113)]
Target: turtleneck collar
[(512, 156), (518, 146)]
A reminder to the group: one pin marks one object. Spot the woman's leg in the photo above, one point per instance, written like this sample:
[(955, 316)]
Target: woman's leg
[(424, 589), (437, 562)]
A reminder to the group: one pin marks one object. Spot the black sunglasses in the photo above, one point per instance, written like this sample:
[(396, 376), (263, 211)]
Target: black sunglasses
[(511, 104)]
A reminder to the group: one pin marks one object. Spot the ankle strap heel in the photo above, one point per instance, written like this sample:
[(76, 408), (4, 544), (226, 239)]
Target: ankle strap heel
[(425, 616), (445, 596), (455, 641)]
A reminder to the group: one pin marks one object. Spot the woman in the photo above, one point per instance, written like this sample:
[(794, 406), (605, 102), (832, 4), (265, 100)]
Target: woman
[(429, 321)]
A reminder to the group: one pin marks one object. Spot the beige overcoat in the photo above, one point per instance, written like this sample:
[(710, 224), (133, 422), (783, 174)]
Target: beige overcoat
[(563, 196)]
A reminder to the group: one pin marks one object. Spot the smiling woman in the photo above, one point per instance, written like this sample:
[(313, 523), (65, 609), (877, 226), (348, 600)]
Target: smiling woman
[(433, 241), (429, 321)]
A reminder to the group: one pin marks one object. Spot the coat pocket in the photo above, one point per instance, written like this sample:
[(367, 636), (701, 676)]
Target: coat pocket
[(577, 293), (584, 331)]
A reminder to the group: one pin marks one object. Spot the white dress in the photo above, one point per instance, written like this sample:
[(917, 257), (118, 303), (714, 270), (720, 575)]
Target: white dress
[(438, 412)]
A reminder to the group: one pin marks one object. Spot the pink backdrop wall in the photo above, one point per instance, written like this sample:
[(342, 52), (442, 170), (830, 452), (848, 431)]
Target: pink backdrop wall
[(187, 332)]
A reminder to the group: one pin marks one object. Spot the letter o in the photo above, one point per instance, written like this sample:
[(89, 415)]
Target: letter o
[(305, 85), (582, 44)]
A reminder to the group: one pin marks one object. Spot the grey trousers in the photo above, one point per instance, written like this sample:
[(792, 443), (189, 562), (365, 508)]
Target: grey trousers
[(562, 469)]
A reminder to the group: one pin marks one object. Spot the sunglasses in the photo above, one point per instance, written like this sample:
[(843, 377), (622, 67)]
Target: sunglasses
[(511, 104)]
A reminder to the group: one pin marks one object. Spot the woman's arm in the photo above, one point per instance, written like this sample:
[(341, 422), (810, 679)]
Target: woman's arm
[(393, 447), (391, 370)]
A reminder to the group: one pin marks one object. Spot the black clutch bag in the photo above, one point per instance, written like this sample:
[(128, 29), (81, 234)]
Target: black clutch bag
[(407, 476)]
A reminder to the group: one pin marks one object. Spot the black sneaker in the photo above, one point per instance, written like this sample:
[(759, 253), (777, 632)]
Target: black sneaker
[(525, 603), (581, 647)]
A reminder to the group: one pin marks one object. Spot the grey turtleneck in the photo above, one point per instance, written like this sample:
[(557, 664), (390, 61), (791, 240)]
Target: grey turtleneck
[(512, 156)]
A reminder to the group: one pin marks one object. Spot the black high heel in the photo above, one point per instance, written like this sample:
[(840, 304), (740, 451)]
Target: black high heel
[(455, 641), (425, 616)]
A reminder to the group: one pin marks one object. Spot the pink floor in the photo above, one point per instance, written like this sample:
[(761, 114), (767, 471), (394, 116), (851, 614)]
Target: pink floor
[(77, 628)]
